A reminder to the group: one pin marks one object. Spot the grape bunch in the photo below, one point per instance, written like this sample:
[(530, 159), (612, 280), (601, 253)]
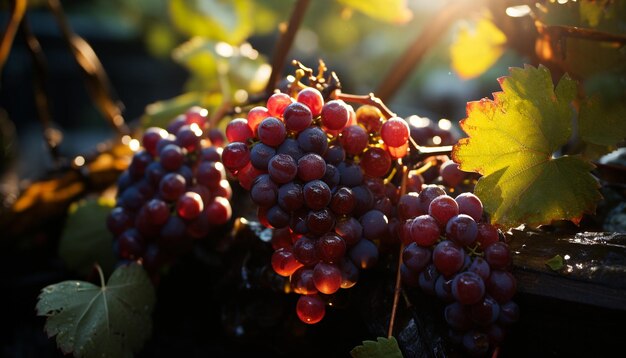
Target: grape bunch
[(173, 192), (314, 168), (451, 254)]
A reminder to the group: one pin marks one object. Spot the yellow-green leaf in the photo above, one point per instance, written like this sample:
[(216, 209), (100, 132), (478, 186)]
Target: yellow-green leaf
[(109, 321), (229, 21), (390, 10), (85, 240), (476, 49), (511, 142), (381, 348)]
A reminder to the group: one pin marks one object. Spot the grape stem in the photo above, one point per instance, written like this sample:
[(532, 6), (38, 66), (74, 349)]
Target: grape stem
[(284, 44), (368, 99), (398, 286)]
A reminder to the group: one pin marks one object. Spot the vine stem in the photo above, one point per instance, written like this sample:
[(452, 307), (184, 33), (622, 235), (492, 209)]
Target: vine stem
[(285, 42), (432, 31), (51, 136), (398, 286), (97, 81), (18, 10), (368, 99)]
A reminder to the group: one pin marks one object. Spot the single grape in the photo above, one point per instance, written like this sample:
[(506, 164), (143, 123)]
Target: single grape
[(487, 235), (468, 288), (364, 254), (305, 251), (327, 278), (370, 118), (448, 258), (171, 157), (313, 140), (471, 205), (450, 173), (375, 162), (235, 156), (498, 255), (374, 224), (423, 230), (277, 103), (442, 208), (271, 132), (260, 155), (320, 221), (310, 309), (302, 282), (316, 194), (350, 230), (331, 248), (354, 139), (335, 114), (284, 262), (485, 312), (311, 167), (297, 117), (219, 211), (255, 116), (290, 196), (172, 186), (189, 205), (415, 257), (462, 229), (409, 207), (312, 98), (264, 192), (349, 273), (501, 285), (395, 132), (282, 168)]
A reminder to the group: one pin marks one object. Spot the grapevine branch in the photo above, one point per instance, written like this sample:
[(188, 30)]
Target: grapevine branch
[(369, 99), (285, 42), (398, 285), (18, 10), (433, 31), (51, 136), (96, 78)]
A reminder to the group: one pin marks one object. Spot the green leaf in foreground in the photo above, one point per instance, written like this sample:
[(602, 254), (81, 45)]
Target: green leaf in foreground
[(85, 239), (109, 321), (381, 348), (555, 263), (511, 141)]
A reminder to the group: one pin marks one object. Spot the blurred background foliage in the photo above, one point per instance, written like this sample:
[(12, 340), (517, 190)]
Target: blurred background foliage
[(163, 56)]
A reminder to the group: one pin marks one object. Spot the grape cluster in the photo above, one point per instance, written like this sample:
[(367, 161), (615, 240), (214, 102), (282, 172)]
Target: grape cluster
[(451, 254), (314, 168), (173, 192)]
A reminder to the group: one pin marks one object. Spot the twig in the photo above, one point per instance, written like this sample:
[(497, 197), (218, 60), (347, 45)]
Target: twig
[(369, 99), (398, 287), (432, 31), (18, 10), (284, 44), (558, 31), (96, 78), (52, 138)]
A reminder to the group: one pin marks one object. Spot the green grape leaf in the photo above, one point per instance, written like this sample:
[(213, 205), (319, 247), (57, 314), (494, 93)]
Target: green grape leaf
[(391, 10), (511, 142), (85, 239), (109, 321), (555, 263), (475, 50), (228, 21), (381, 348)]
